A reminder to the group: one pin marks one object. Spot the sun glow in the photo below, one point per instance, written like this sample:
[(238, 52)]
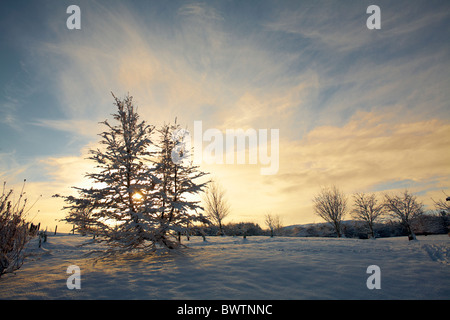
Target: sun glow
[(137, 196)]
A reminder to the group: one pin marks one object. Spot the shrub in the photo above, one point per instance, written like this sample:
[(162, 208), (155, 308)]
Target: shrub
[(13, 231)]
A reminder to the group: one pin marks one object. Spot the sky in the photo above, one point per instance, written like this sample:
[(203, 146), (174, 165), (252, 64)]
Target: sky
[(364, 109)]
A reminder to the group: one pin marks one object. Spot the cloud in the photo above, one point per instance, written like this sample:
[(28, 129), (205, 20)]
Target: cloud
[(84, 127), (7, 114), (10, 168), (194, 68), (323, 24), (200, 11), (367, 151), (125, 56), (341, 27), (402, 66)]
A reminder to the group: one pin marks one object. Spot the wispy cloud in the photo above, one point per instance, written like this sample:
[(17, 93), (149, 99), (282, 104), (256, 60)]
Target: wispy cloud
[(367, 151), (10, 168), (200, 10), (83, 127)]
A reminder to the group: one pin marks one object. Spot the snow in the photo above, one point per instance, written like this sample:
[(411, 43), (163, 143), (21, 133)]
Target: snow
[(235, 268)]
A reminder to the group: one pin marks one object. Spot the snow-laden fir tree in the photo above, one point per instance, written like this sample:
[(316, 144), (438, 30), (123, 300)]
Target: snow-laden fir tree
[(139, 199), (120, 201), (80, 216), (176, 202)]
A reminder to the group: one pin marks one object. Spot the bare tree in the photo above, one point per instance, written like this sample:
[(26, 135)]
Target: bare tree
[(270, 223), (216, 205), (442, 205), (443, 209), (274, 223), (331, 205), (406, 208), (367, 208)]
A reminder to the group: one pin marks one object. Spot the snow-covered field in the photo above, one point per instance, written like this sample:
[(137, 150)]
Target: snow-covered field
[(235, 268)]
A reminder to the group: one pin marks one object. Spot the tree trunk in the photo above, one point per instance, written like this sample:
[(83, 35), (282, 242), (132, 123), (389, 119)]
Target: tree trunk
[(411, 235), (220, 229), (372, 234)]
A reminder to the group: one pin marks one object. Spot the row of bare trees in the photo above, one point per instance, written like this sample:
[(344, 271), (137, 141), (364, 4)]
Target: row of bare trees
[(331, 204)]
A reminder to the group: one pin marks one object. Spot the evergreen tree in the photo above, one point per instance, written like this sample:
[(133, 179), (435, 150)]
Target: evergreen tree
[(177, 211), (139, 199), (120, 200)]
